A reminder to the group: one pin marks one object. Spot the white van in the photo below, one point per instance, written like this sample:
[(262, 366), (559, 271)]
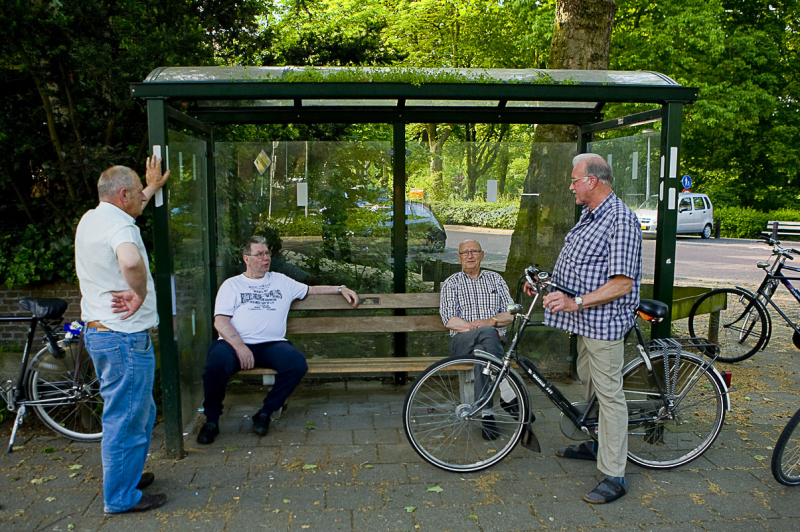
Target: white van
[(695, 214)]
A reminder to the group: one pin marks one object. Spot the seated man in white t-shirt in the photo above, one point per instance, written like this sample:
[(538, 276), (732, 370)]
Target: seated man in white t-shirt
[(250, 316)]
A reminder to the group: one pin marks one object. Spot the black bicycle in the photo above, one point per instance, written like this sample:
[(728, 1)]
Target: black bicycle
[(676, 400), (786, 456), (59, 382), (743, 326)]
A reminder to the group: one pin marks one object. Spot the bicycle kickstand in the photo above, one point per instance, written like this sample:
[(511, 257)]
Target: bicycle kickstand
[(17, 423)]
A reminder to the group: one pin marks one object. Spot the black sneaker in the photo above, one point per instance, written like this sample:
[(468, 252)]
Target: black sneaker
[(261, 423), (489, 429), (512, 407), (208, 433)]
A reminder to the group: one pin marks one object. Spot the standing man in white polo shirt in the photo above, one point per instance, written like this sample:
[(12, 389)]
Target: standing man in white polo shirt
[(119, 305)]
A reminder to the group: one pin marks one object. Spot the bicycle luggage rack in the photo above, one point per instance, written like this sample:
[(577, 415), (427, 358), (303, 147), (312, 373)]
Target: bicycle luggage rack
[(666, 344)]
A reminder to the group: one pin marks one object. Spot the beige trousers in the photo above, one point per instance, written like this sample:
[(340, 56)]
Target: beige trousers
[(600, 370)]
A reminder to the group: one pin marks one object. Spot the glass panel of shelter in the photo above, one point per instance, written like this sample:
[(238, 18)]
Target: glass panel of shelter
[(187, 163)]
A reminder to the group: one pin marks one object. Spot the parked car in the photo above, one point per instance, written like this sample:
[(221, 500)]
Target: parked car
[(695, 214), (421, 223)]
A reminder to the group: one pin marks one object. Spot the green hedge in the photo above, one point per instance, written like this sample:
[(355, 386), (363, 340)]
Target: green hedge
[(501, 215), (744, 222)]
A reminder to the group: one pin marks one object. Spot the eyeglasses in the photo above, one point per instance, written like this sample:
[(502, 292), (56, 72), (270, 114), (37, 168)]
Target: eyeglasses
[(259, 255), (470, 252), (574, 179)]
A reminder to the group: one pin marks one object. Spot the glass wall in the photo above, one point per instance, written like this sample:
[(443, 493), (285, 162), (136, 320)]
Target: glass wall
[(186, 161)]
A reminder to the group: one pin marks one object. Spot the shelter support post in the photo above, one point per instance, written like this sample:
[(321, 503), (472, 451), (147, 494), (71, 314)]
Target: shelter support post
[(399, 233), (211, 222), (170, 363), (664, 274)]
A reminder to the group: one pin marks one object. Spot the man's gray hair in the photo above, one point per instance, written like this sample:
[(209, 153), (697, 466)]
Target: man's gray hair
[(596, 166), (247, 246), (114, 179)]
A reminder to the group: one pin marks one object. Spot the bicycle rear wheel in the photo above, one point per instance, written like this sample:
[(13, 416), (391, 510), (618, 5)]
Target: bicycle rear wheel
[(786, 456), (70, 406), (739, 330), (662, 436), (435, 422)]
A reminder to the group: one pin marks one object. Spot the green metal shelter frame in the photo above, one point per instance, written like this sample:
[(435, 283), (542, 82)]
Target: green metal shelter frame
[(282, 95)]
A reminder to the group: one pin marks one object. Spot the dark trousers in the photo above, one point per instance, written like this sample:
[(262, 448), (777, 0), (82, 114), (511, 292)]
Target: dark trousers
[(222, 363), (484, 338)]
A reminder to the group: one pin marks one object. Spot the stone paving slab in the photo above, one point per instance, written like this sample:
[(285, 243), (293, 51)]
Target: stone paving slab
[(338, 459)]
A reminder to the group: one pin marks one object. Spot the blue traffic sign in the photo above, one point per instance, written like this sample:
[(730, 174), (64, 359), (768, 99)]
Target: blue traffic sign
[(686, 181)]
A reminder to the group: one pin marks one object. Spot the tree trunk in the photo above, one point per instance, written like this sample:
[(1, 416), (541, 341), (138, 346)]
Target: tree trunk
[(435, 145), (581, 41), (502, 169)]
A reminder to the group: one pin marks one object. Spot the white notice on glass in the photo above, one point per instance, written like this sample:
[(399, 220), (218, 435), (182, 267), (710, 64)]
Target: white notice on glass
[(491, 191), (673, 162), (159, 198), (302, 194), (635, 166)]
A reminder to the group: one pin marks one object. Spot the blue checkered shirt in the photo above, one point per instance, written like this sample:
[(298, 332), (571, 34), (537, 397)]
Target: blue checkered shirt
[(474, 299), (605, 242)]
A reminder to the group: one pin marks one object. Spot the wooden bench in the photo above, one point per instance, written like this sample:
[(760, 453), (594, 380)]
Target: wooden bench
[(357, 324), (777, 229)]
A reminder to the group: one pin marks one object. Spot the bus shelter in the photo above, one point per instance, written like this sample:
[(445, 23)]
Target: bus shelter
[(336, 203)]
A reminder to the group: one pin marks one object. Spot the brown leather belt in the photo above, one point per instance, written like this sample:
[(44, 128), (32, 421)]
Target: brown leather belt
[(97, 325)]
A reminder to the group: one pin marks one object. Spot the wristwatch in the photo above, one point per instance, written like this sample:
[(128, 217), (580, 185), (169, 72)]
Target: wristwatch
[(340, 289), (579, 301)]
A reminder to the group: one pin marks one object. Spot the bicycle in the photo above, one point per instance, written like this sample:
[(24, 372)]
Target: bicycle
[(676, 401), (59, 383), (744, 326), (786, 455)]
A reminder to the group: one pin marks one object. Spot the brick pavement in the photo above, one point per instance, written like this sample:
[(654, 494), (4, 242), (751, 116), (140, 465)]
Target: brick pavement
[(365, 477)]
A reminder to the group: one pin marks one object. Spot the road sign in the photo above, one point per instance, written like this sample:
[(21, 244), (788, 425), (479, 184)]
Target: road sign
[(686, 181)]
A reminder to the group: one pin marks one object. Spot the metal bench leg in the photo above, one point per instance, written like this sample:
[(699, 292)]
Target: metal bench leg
[(466, 386)]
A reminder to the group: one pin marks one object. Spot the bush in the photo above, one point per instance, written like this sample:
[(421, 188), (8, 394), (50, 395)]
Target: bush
[(37, 255), (501, 215), (744, 222)]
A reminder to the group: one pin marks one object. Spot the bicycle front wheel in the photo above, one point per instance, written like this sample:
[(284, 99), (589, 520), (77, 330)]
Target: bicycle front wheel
[(786, 456), (67, 402), (436, 407), (739, 329), (671, 430)]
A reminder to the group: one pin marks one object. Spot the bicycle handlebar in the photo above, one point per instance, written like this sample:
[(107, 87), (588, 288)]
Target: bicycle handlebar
[(543, 280), (777, 249)]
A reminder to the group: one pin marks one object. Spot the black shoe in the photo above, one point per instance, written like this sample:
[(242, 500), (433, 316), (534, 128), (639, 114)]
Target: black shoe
[(261, 423), (208, 433), (489, 429), (512, 407), (148, 502), (584, 451), (146, 480)]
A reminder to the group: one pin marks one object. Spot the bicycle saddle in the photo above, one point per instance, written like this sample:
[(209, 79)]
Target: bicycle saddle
[(44, 308), (653, 308)]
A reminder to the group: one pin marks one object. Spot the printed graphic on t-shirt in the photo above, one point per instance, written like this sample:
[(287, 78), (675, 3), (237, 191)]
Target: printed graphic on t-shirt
[(260, 299)]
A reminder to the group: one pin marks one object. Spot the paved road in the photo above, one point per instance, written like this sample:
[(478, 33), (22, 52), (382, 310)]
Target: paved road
[(726, 260)]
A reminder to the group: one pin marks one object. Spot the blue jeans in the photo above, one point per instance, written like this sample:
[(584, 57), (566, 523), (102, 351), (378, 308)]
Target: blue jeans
[(125, 364), (222, 362)]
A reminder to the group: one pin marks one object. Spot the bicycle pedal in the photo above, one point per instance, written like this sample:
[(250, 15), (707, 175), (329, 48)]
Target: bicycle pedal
[(529, 439)]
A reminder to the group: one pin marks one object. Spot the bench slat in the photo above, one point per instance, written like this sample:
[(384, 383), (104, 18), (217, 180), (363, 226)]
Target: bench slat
[(359, 365), (365, 324), (368, 302)]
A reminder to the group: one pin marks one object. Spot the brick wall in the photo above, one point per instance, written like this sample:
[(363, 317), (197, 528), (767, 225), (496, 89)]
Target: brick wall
[(16, 333)]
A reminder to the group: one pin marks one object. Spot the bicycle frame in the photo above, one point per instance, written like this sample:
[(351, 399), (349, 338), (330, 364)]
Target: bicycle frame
[(776, 273), (19, 390)]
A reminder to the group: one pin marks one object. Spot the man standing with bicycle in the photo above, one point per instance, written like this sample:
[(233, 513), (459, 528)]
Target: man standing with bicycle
[(118, 304), (601, 261)]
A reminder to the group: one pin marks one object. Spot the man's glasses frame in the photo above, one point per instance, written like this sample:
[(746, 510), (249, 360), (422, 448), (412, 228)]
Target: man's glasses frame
[(470, 252)]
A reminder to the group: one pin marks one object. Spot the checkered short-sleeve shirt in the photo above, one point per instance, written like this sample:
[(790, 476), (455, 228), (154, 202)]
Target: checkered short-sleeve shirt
[(605, 242), (473, 299)]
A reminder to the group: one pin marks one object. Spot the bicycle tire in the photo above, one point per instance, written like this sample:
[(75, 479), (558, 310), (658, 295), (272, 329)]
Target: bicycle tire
[(75, 415), (434, 421), (786, 456), (742, 326), (672, 436)]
